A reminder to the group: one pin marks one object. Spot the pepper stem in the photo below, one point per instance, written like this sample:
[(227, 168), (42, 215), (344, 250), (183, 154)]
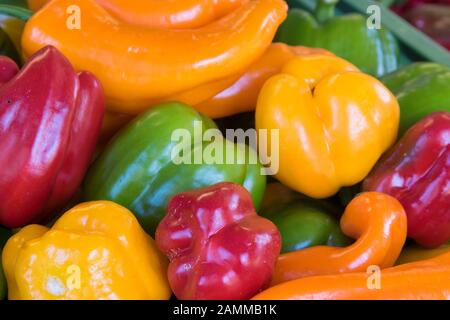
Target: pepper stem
[(16, 12), (325, 10)]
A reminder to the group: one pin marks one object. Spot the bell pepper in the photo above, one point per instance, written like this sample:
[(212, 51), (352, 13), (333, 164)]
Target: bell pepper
[(406, 5), (417, 172), (96, 250), (432, 19), (144, 65), (50, 119), (138, 170), (218, 247), (334, 121), (303, 222), (376, 220), (422, 280), (417, 253), (181, 14), (371, 50), (421, 88), (242, 94), (4, 235)]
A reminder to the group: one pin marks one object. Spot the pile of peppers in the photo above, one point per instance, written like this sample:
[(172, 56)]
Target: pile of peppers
[(96, 95)]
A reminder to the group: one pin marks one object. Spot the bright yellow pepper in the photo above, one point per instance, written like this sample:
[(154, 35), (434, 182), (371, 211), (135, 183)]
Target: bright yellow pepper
[(144, 65), (97, 250), (334, 123)]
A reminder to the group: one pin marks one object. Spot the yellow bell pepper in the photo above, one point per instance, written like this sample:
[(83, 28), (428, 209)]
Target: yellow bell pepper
[(96, 250), (333, 120)]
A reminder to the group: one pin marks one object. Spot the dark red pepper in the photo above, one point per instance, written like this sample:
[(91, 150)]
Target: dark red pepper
[(417, 172), (434, 20), (50, 118), (218, 247), (411, 4)]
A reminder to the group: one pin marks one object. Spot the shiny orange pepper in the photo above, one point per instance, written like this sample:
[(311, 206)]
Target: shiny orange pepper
[(377, 220), (167, 14), (426, 279), (242, 95), (144, 64)]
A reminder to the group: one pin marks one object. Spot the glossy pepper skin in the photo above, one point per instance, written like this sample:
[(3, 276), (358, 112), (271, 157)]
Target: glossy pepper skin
[(434, 20), (377, 222), (242, 94), (182, 14), (303, 222), (373, 51), (334, 121), (4, 235), (417, 172), (421, 88), (139, 170), (96, 250), (218, 247), (422, 280), (143, 65), (50, 119)]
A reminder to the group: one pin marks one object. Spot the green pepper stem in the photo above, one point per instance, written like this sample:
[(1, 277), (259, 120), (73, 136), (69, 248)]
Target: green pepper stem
[(325, 10), (16, 12)]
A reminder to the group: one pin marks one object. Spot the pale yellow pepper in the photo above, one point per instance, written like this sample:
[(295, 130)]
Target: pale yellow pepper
[(97, 250)]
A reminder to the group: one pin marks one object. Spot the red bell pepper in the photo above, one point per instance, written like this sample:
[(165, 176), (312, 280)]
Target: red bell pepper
[(411, 4), (417, 172), (218, 247), (50, 118), (434, 20)]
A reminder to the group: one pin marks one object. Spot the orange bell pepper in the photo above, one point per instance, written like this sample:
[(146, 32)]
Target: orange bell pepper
[(179, 14), (334, 121), (377, 220), (242, 95), (426, 279), (144, 64)]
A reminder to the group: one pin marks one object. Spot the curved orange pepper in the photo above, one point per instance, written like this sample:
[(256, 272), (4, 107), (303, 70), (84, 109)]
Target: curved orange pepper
[(143, 64), (377, 220), (167, 14), (426, 279), (242, 95)]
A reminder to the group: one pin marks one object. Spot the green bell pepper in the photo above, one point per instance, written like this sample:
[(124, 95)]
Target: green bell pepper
[(374, 51), (137, 169), (4, 236), (303, 222), (421, 88)]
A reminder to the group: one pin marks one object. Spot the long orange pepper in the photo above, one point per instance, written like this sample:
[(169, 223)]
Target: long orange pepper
[(167, 14), (426, 279), (143, 64), (377, 220), (242, 95)]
